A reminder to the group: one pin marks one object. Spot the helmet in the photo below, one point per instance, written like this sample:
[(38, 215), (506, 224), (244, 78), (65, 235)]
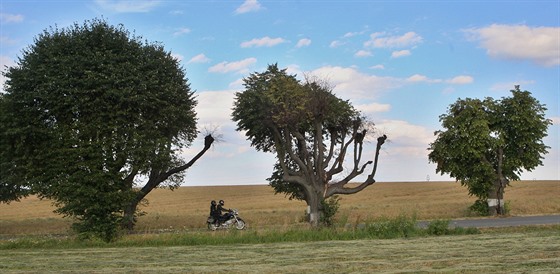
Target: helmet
[(213, 202), (222, 202)]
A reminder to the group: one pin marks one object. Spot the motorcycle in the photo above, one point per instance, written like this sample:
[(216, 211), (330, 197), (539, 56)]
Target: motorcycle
[(232, 219)]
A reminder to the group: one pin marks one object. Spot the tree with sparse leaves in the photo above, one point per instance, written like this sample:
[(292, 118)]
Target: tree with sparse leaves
[(88, 112), (310, 131), (487, 143)]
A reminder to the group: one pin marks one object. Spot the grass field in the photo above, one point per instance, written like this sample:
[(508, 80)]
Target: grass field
[(181, 214), (530, 252), (187, 208)]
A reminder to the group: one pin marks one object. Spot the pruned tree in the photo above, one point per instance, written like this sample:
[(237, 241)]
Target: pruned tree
[(310, 131), (487, 143), (87, 112)]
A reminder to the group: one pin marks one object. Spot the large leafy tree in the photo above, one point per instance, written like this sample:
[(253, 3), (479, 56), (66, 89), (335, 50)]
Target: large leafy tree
[(310, 131), (89, 111), (487, 143)]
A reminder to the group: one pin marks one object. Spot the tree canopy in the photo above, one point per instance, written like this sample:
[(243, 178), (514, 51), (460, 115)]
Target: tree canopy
[(87, 110), (310, 131), (486, 143)]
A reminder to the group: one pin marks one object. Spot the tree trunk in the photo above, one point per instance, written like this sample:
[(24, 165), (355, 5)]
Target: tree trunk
[(129, 219), (496, 198), (314, 201), (496, 195)]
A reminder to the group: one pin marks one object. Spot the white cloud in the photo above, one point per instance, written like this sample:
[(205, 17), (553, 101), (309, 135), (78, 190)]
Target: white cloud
[(263, 42), (200, 58), (351, 84), (373, 107), (178, 57), (248, 6), (350, 34), (214, 107), (10, 18), (406, 139), (5, 40), (555, 120), (237, 84), (5, 61), (510, 85), (363, 53), (377, 67), (176, 12), (419, 78), (238, 66), (379, 40), (422, 78), (294, 69), (181, 31), (457, 80), (336, 44), (461, 80), (126, 6), (400, 53), (303, 43), (520, 42)]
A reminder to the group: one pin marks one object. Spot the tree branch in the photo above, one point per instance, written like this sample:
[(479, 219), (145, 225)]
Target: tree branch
[(339, 188), (157, 177), (337, 164)]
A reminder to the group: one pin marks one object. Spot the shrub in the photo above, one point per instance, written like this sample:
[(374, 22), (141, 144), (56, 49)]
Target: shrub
[(479, 208), (402, 226), (439, 227), (330, 207)]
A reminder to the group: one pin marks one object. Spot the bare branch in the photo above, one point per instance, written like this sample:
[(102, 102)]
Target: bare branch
[(339, 188)]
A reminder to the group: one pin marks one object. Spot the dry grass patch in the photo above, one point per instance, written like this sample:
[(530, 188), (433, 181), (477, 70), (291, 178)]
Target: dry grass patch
[(187, 207)]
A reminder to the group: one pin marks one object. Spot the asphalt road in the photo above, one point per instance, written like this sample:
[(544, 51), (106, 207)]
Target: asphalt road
[(503, 222)]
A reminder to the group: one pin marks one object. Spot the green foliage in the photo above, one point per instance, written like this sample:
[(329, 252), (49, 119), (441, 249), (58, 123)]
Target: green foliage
[(438, 227), (385, 228), (291, 190), (479, 208), (86, 109), (330, 208), (486, 140)]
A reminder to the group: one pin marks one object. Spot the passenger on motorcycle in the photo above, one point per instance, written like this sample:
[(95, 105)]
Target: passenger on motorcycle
[(214, 211)]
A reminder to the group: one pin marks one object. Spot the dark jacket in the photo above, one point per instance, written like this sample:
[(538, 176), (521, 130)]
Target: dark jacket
[(221, 209), (214, 211)]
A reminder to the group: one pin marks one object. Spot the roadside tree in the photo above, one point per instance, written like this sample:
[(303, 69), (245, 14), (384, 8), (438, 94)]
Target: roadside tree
[(94, 119), (487, 143), (310, 131)]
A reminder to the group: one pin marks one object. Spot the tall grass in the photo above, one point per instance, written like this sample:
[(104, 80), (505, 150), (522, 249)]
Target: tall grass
[(382, 228)]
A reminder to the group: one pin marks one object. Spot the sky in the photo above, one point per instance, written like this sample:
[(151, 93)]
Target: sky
[(401, 63)]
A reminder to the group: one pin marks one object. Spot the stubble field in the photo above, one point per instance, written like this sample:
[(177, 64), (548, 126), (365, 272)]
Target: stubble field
[(187, 207)]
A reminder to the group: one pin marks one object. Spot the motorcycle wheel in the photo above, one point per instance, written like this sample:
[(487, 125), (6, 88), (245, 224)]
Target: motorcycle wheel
[(240, 224), (212, 226)]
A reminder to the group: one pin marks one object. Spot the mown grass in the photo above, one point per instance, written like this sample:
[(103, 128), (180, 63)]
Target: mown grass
[(537, 251)]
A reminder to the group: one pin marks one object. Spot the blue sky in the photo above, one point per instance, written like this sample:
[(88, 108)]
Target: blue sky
[(401, 62)]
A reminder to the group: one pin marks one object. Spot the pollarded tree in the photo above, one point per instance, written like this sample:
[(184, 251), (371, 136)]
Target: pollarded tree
[(487, 143), (309, 130), (88, 112)]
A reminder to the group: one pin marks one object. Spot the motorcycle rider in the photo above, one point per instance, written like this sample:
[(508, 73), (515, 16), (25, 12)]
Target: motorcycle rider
[(220, 208)]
